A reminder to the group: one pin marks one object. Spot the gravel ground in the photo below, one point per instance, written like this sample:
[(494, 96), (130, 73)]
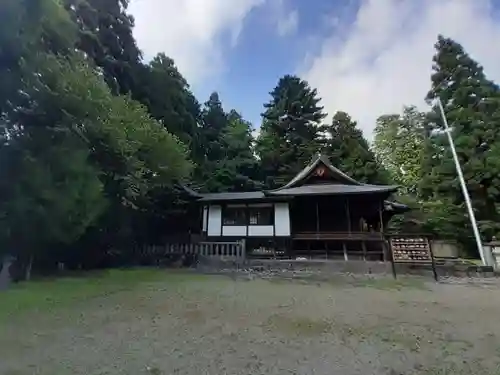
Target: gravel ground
[(217, 325)]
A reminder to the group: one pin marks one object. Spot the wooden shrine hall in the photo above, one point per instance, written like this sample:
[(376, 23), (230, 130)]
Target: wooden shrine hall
[(320, 213)]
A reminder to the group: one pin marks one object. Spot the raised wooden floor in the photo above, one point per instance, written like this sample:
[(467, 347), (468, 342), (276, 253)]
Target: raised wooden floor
[(350, 236)]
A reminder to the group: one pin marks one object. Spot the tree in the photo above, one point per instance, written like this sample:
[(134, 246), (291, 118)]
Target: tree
[(399, 146), (237, 170), (105, 35), (350, 152), (214, 122), (76, 148), (27, 27), (133, 151), (50, 194), (49, 191), (166, 94), (290, 130), (472, 107)]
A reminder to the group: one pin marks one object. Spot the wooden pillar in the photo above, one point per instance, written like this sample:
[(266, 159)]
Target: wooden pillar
[(346, 258), (384, 248), (317, 217), (348, 216), (380, 208)]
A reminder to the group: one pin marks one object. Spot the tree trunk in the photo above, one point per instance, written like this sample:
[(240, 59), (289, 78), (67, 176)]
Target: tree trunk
[(29, 266)]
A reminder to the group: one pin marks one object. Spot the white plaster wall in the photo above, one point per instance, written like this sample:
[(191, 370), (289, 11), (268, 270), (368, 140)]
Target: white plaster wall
[(260, 230), (234, 230), (282, 219), (205, 219), (214, 220)]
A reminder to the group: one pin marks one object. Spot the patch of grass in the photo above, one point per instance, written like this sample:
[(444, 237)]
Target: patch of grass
[(302, 326), (49, 294), (391, 283)]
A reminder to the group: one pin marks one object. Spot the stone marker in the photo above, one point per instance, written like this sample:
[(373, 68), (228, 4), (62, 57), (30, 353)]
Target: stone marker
[(5, 277)]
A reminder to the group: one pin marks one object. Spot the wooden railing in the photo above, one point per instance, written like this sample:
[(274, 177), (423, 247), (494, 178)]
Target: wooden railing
[(227, 250), (360, 236)]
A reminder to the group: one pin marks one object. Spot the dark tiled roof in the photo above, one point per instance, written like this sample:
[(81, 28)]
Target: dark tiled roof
[(189, 191), (332, 189), (319, 159), (396, 207), (346, 186), (248, 195)]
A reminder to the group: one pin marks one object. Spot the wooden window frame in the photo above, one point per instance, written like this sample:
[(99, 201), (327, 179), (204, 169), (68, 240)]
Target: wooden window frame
[(271, 216), (247, 210), (225, 208)]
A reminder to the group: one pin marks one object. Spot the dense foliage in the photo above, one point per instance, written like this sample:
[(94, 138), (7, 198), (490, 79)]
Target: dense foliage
[(399, 145), (290, 132), (94, 140), (349, 151), (415, 144)]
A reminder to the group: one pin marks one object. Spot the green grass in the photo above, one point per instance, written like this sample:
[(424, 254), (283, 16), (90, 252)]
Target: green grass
[(49, 294)]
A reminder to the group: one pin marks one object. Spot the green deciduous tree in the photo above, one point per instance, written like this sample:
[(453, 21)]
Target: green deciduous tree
[(76, 148), (289, 134), (50, 194), (399, 146)]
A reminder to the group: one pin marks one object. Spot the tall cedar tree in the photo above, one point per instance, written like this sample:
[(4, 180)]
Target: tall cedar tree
[(105, 35), (214, 121), (166, 94), (290, 130), (237, 170), (472, 107), (229, 163), (350, 152)]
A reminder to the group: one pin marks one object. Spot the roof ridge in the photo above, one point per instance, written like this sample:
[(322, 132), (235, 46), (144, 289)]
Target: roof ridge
[(309, 168)]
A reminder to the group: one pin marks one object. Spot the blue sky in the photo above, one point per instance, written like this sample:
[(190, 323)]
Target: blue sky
[(264, 53), (366, 57)]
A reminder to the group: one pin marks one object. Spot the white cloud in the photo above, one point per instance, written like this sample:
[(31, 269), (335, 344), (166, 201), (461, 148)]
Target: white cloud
[(288, 23), (384, 59), (285, 19), (189, 31)]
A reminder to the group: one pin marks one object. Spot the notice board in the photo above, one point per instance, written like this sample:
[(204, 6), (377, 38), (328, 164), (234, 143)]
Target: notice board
[(411, 250)]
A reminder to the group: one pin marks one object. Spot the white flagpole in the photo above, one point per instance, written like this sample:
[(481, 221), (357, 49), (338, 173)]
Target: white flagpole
[(465, 192)]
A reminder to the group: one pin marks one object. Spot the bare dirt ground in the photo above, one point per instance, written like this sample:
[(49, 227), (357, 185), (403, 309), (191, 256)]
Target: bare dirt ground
[(192, 324)]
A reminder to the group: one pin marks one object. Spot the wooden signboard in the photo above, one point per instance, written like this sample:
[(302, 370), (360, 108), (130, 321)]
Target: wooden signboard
[(411, 250)]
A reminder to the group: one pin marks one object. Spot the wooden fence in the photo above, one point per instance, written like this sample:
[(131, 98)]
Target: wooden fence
[(225, 250)]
